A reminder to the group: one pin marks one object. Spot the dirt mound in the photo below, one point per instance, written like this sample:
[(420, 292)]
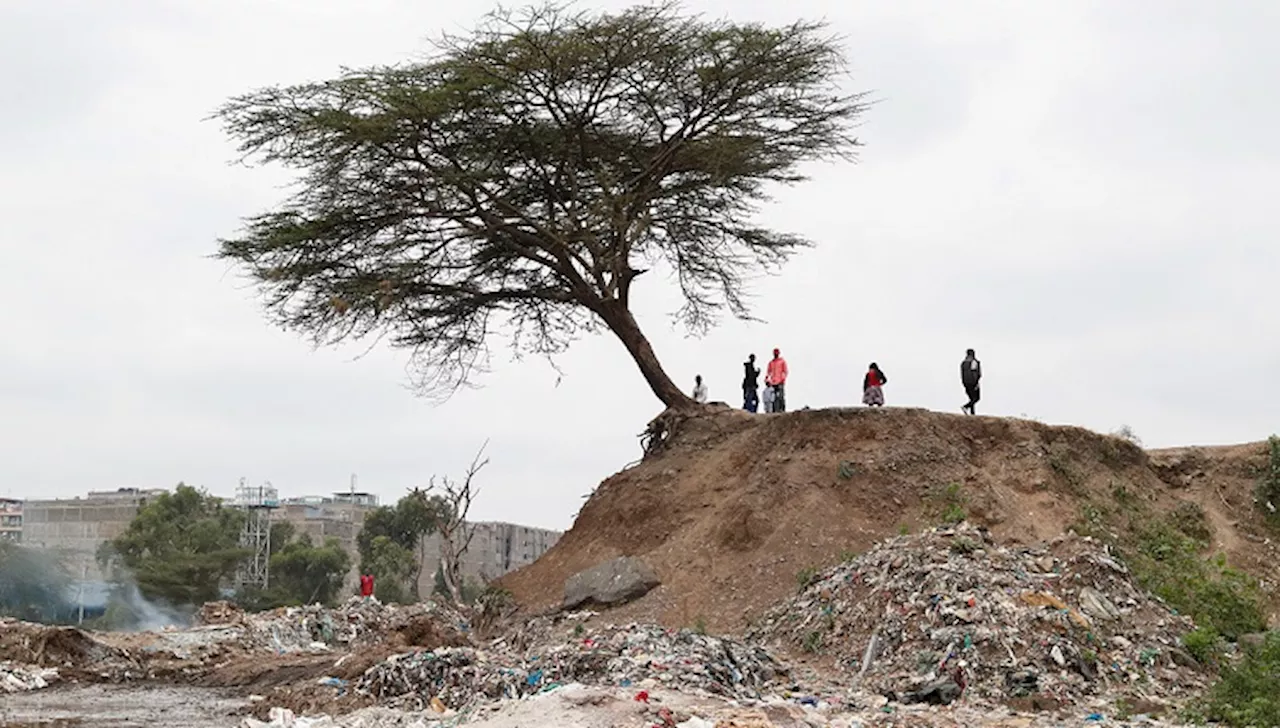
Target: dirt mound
[(736, 506), (1060, 622), (45, 646)]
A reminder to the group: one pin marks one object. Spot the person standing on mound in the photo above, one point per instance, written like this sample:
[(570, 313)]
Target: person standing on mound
[(750, 384), (873, 386), (971, 378), (776, 379)]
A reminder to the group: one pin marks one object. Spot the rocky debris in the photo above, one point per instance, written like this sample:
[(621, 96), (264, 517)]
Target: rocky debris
[(613, 582), (221, 612), (947, 613), (21, 678), (637, 656)]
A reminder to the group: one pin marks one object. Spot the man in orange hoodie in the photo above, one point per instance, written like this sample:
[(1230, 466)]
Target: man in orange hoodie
[(776, 379)]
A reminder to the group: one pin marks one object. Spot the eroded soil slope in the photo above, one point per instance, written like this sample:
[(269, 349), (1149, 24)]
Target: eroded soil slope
[(738, 505)]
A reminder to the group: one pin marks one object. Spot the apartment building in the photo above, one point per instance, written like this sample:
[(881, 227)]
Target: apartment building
[(73, 528), (10, 519)]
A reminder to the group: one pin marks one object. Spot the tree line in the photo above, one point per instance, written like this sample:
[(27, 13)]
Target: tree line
[(183, 549)]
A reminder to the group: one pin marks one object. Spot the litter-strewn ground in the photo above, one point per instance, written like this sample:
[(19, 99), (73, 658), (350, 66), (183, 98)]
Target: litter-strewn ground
[(945, 613), (578, 706), (967, 632)]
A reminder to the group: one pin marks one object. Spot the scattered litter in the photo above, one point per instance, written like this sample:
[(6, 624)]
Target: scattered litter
[(641, 655), (20, 678), (930, 616)]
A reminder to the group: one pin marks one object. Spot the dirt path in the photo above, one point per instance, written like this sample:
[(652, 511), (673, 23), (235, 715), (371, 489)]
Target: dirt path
[(120, 706)]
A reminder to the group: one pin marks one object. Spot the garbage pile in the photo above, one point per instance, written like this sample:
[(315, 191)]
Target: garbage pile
[(50, 646), (638, 656), (22, 678), (356, 622), (929, 617)]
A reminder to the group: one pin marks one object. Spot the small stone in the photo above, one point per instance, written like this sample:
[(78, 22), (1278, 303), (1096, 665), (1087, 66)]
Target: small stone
[(1058, 657)]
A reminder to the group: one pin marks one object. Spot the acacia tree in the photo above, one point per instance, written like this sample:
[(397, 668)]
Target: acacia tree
[(521, 177)]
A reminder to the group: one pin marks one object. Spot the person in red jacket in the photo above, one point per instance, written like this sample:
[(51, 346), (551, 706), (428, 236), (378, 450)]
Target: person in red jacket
[(366, 586), (873, 386), (775, 378)]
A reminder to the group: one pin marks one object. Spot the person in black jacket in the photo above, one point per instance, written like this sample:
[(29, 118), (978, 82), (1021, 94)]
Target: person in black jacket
[(750, 384), (971, 377)]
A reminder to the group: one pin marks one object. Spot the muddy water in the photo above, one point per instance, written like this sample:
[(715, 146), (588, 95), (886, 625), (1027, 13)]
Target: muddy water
[(120, 706)]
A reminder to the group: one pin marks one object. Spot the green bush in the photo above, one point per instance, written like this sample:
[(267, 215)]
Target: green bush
[(948, 503), (1203, 644), (1167, 562), (1248, 693)]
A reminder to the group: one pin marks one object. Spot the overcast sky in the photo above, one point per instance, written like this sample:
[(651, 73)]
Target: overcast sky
[(1080, 190)]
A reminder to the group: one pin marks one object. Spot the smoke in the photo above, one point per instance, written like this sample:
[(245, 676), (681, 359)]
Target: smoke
[(33, 584), (36, 586), (140, 614)]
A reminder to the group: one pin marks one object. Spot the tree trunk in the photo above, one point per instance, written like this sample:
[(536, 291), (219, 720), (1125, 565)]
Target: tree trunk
[(620, 321)]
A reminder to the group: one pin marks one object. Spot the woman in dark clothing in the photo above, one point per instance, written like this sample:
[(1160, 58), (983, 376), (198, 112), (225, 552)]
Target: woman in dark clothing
[(872, 386)]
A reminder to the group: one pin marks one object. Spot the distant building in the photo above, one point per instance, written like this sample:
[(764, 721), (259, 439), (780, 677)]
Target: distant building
[(73, 528), (338, 516), (496, 548), (10, 519)]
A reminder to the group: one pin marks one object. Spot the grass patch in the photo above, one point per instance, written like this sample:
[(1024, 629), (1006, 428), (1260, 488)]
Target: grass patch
[(1167, 562), (1062, 466), (846, 470), (1092, 521), (1190, 519), (948, 504), (1203, 644), (1267, 494), (806, 577), (1122, 495), (812, 642), (1248, 693)]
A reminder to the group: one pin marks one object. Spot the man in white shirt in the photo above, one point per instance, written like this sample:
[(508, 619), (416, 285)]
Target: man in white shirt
[(699, 390)]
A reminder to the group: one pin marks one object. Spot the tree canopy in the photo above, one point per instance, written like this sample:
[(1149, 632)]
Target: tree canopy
[(180, 547), (303, 573), (520, 178)]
